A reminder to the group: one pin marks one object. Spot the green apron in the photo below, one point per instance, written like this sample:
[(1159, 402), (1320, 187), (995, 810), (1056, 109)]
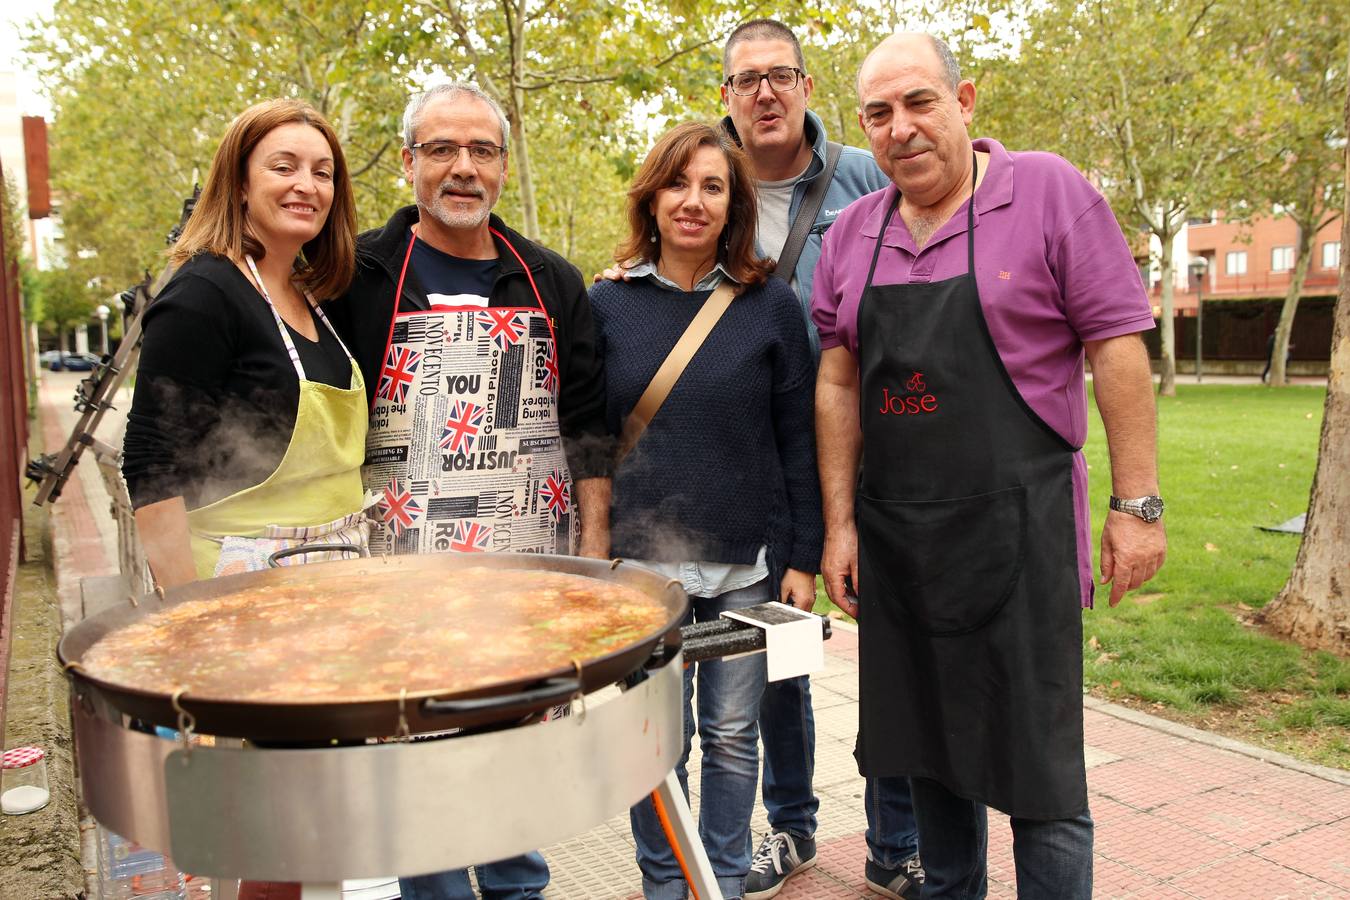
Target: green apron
[(318, 480)]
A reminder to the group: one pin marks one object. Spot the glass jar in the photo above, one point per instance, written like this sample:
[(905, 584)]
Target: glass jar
[(24, 780)]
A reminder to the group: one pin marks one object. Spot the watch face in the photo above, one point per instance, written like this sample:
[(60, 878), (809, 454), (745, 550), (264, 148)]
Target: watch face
[(1152, 508)]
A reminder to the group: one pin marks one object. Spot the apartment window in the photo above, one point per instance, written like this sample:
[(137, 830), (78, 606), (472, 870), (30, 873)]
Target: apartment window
[(1331, 254), (1235, 262), (1281, 259)]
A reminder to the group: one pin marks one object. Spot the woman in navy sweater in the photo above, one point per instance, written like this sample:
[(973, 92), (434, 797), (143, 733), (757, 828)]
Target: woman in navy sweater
[(721, 489)]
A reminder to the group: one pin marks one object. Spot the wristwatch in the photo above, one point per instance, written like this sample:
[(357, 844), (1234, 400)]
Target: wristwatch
[(1149, 508)]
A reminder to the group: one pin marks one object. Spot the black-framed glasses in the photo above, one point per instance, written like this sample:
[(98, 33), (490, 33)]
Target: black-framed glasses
[(448, 151), (780, 78)]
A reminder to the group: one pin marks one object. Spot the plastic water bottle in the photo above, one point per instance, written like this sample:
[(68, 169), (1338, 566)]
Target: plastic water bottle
[(128, 871)]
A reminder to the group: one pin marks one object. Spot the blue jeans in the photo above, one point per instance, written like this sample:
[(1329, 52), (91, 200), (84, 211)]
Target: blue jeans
[(1053, 858), (892, 833), (788, 728), (728, 709), (517, 878)]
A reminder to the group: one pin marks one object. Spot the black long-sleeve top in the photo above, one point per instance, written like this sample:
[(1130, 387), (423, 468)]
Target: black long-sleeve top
[(216, 393)]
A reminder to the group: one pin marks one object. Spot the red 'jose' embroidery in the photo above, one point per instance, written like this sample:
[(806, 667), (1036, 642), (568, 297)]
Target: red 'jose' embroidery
[(911, 404)]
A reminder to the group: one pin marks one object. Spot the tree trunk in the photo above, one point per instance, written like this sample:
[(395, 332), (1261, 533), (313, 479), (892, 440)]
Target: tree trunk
[(519, 138), (570, 245), (1314, 607), (1303, 259), (1167, 362), (520, 164)]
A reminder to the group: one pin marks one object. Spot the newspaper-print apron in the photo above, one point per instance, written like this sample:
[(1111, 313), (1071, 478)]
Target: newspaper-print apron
[(464, 449)]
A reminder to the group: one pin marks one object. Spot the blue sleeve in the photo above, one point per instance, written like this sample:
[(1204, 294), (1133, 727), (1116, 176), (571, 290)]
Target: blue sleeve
[(793, 411)]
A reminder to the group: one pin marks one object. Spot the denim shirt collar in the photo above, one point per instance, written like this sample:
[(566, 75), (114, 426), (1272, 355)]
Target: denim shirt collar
[(647, 269)]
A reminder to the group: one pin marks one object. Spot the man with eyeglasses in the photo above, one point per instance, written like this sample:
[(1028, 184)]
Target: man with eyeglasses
[(487, 396), (805, 181)]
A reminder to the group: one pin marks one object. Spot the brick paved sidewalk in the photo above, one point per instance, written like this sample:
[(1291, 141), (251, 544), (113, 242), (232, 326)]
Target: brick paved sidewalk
[(84, 535), (1180, 814)]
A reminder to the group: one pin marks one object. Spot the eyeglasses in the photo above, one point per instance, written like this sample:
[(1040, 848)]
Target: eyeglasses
[(448, 151), (780, 78)]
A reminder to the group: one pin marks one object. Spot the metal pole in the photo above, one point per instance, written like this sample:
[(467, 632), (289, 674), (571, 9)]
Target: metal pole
[(702, 881), (102, 312), (1199, 329)]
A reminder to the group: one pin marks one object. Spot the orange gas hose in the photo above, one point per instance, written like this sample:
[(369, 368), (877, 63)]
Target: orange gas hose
[(674, 844)]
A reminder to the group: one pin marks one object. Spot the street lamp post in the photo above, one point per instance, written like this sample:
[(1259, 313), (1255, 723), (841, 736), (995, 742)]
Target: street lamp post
[(1198, 267), (102, 313)]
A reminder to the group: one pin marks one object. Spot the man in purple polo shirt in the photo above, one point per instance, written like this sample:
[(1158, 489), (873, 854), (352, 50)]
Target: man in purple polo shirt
[(950, 411)]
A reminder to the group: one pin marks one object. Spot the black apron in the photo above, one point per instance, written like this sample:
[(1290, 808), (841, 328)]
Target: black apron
[(970, 621)]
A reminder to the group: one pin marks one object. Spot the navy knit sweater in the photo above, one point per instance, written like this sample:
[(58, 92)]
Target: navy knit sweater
[(728, 464)]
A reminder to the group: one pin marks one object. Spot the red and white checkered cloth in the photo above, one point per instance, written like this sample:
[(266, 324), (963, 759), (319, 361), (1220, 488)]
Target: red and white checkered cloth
[(21, 757)]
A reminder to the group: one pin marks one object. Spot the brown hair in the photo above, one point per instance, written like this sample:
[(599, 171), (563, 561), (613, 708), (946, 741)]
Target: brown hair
[(761, 30), (218, 224), (663, 165)]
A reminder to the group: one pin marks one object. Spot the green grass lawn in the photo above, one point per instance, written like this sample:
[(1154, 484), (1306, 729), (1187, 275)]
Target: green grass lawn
[(1185, 646), (1231, 457)]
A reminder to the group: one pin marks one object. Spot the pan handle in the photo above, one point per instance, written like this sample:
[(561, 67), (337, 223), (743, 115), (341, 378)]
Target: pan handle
[(551, 692), (274, 560)]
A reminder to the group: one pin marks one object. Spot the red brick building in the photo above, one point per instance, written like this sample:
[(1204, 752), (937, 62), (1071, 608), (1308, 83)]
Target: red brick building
[(1248, 273), (1257, 260)]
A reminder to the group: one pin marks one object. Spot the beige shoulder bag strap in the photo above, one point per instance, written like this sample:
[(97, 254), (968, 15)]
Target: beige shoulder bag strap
[(673, 367)]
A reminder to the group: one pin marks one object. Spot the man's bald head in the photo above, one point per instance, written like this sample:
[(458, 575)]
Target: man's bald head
[(916, 112), (911, 43)]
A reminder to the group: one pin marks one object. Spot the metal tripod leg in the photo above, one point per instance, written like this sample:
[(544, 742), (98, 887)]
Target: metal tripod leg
[(700, 874)]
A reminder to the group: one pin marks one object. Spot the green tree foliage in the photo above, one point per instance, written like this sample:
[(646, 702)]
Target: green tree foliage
[(142, 90), (573, 72), (1304, 50), (836, 40), (65, 299)]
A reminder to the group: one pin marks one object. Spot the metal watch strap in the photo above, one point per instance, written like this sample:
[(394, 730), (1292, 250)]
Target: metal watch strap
[(1141, 507)]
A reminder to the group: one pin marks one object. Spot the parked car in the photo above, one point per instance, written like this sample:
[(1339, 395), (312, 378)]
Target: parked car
[(71, 362)]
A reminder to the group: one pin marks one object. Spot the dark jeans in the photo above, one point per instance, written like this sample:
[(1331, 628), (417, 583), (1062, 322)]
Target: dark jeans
[(517, 878), (788, 729), (1053, 858)]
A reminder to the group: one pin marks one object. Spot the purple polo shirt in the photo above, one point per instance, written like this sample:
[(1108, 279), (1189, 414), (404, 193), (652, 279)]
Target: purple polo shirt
[(1053, 271)]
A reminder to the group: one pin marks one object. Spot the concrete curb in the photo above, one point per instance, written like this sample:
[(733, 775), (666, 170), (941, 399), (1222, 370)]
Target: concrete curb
[(1210, 739), (1196, 735)]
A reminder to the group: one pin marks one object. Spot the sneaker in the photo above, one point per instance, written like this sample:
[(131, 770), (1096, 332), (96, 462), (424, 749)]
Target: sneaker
[(904, 883), (779, 857)]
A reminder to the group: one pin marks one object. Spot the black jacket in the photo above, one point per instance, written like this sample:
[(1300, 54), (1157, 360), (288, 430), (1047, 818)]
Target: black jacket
[(362, 317)]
